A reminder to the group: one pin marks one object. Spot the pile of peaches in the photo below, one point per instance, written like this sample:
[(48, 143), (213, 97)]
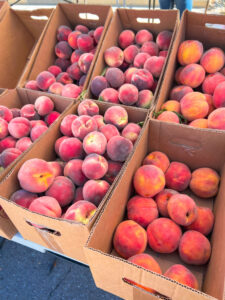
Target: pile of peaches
[(133, 69), (19, 128), (166, 218), (90, 155), (74, 51), (200, 94)]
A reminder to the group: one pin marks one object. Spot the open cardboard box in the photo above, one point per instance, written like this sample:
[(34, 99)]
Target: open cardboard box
[(19, 33), (64, 236), (193, 26), (196, 149), (153, 20), (69, 15)]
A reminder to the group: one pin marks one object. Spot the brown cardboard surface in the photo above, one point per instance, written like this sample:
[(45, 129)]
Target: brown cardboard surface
[(109, 270), (128, 19), (7, 229), (65, 236), (65, 14)]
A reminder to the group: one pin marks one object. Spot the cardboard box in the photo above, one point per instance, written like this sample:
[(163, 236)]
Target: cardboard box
[(196, 149), (193, 26), (63, 236), (153, 20), (69, 15), (19, 33)]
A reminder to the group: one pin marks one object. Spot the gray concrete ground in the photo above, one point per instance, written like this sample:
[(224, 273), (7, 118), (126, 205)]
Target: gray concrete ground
[(26, 274)]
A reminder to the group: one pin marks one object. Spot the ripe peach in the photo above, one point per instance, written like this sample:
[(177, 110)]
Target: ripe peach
[(204, 182), (85, 61), (74, 73), (219, 95), (209, 100), (177, 75), (78, 194), (199, 123), (163, 235), (145, 98), (32, 85), (213, 60), (62, 63), (129, 73), (95, 190), (63, 32), (119, 148), (51, 117), (72, 39), (82, 80), (3, 128), (143, 36), (88, 107), (85, 43), (163, 39), (97, 33), (44, 80), (95, 142), (23, 144), (37, 131), (55, 70), (63, 78), (75, 56), (194, 106), (70, 148), (168, 116), (114, 57), (154, 65), (73, 170), (216, 120), (109, 95), (56, 88), (189, 52), (8, 142), (129, 53), (47, 206), (149, 180), (182, 275), (162, 199), (35, 175), (192, 75), (194, 248), (151, 48), (99, 119), (131, 132), (211, 81), (28, 112), (117, 116), (158, 159), (129, 239), (163, 53), (171, 105), (5, 113), (8, 156), (81, 28), (94, 166), (142, 79), (23, 198), (57, 167), (63, 50), (66, 124), (83, 125), (126, 38), (115, 77), (16, 112), (81, 211), (113, 170), (19, 127), (178, 176), (58, 143), (71, 91), (98, 84), (109, 131), (140, 60), (128, 94)]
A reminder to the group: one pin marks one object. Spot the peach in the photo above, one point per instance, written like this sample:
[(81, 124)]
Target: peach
[(194, 106), (19, 127), (95, 190), (5, 113), (23, 144), (47, 206), (189, 52), (163, 235), (163, 39), (99, 120), (178, 176), (163, 53), (211, 81), (143, 36), (192, 75), (129, 53), (32, 85), (204, 182), (109, 95), (129, 73), (119, 148), (72, 39), (116, 115), (64, 78), (109, 131), (177, 75), (63, 50), (83, 125), (62, 189), (95, 142), (142, 210), (97, 33), (15, 112), (171, 105), (74, 73), (182, 275), (8, 142), (44, 80), (85, 43), (158, 159), (98, 84), (51, 117), (35, 175), (55, 70), (63, 32), (76, 55), (3, 128), (115, 77), (126, 38), (168, 116), (37, 131), (114, 56), (209, 100), (162, 199), (151, 48), (204, 221), (82, 28), (131, 132), (145, 98), (78, 194), (149, 180), (154, 65), (213, 60), (194, 248), (216, 120), (81, 211), (114, 168), (57, 168), (85, 61), (178, 92), (88, 107), (66, 124), (94, 166), (140, 60), (56, 88), (129, 239), (62, 63), (23, 198), (73, 170), (71, 91), (128, 94), (70, 148), (82, 80), (58, 143), (142, 79), (219, 95), (8, 156), (199, 123), (182, 209), (28, 112)]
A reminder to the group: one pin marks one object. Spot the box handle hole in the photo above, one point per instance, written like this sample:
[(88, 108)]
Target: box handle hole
[(39, 17), (148, 20), (215, 26), (88, 16), (43, 228)]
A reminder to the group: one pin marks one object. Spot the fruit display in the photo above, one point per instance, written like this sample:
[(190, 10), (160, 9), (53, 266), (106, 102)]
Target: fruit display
[(74, 50), (133, 68), (197, 98), (19, 128), (168, 213), (91, 152)]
